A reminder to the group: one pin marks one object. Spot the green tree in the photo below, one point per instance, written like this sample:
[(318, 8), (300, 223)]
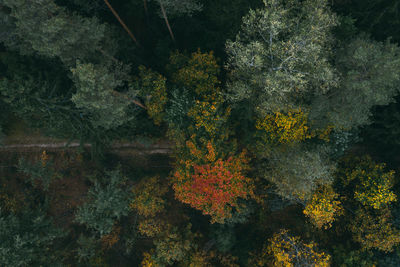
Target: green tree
[(297, 172), (47, 29), (96, 95), (106, 203), (370, 77), (280, 56), (29, 239)]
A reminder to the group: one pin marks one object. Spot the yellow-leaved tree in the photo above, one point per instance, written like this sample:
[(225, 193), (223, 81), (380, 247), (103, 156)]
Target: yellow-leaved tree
[(323, 207), (289, 251)]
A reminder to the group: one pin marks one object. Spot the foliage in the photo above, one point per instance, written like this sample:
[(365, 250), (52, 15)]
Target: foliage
[(28, 239), (148, 196), (280, 55), (284, 128), (374, 229), (51, 30), (291, 251), (297, 172), (39, 173), (214, 187), (95, 94), (106, 204), (153, 88), (173, 246), (370, 77), (372, 182), (198, 73), (323, 207)]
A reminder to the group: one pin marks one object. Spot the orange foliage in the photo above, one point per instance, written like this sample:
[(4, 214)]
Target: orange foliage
[(215, 187)]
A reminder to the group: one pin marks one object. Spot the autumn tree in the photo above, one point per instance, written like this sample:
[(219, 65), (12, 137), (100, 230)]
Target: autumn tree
[(323, 207), (209, 176), (290, 251), (214, 188), (371, 182), (149, 202)]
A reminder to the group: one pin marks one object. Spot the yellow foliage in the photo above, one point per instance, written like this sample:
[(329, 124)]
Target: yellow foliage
[(199, 73), (44, 158), (154, 85), (207, 114), (151, 227), (373, 183), (323, 207), (284, 128), (148, 196), (287, 250), (148, 261)]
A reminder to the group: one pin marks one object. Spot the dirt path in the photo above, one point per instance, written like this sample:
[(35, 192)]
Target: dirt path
[(160, 148)]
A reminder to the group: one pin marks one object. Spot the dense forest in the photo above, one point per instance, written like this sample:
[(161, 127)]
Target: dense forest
[(199, 133)]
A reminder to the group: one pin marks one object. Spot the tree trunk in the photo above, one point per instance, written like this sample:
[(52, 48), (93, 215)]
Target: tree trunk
[(166, 20), (121, 22)]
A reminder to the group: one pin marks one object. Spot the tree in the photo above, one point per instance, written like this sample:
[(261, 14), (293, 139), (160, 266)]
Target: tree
[(323, 207), (28, 239), (374, 229), (280, 56), (371, 182), (40, 173), (281, 128), (95, 95), (297, 171), (148, 197), (290, 251), (44, 28), (209, 175), (106, 204), (370, 76), (215, 187)]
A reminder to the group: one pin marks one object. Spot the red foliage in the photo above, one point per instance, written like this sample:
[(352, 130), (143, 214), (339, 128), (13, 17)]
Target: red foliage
[(215, 187)]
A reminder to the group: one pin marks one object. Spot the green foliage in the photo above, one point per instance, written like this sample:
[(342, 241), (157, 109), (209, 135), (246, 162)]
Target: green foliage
[(174, 246), (50, 30), (106, 204), (40, 173), (280, 56), (297, 172), (28, 239), (370, 76), (95, 94), (346, 256)]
